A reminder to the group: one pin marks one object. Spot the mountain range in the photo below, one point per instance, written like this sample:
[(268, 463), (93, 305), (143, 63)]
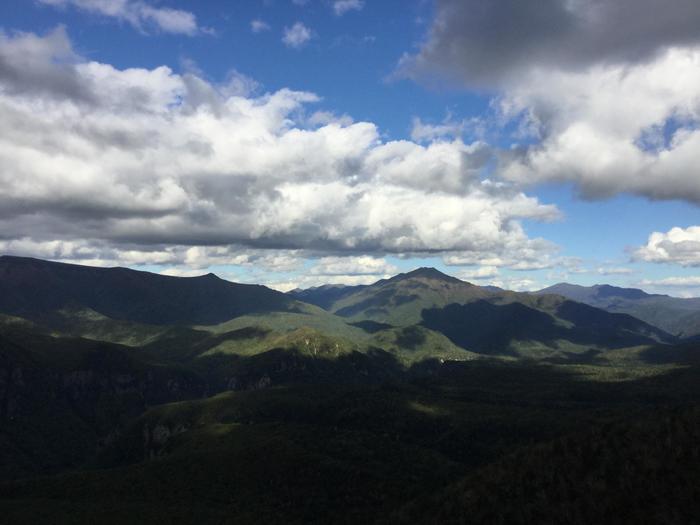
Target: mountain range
[(473, 318), (678, 316), (128, 396)]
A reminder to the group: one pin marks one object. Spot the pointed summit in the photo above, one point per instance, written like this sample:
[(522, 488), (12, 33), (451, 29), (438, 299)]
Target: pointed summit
[(426, 273)]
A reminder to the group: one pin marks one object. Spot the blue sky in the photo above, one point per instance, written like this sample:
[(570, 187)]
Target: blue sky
[(594, 198)]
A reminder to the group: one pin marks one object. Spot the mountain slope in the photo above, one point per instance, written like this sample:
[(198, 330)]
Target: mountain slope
[(60, 398), (34, 289), (632, 471), (325, 295), (399, 301), (492, 321), (677, 316)]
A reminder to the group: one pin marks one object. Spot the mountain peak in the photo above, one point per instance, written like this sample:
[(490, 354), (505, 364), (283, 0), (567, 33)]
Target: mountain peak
[(426, 273)]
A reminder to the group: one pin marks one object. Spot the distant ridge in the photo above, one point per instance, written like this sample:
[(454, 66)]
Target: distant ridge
[(32, 288), (325, 295), (677, 316), (578, 292), (475, 318), (484, 319)]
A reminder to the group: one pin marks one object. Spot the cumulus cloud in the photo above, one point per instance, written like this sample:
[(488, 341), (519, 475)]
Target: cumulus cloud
[(296, 36), (676, 246), (484, 272), (595, 128), (601, 93), (358, 265), (517, 252), (483, 44), (340, 7), (140, 15), (311, 281), (147, 166), (339, 270), (515, 284)]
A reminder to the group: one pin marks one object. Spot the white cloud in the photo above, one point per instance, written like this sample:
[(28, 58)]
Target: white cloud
[(182, 272), (606, 270), (309, 281), (688, 286), (514, 284), (595, 127), (422, 131), (296, 36), (339, 270), (359, 265), (340, 7), (492, 44), (258, 26), (139, 14), (151, 167), (516, 252), (677, 246), (673, 281), (484, 272), (323, 118), (601, 94)]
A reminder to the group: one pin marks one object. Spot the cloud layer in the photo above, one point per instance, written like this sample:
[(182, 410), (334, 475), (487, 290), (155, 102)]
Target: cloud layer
[(612, 129), (677, 246), (602, 93), (484, 44), (145, 165)]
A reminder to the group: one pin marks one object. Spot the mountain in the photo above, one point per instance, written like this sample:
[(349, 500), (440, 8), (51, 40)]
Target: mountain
[(325, 295), (504, 442), (35, 289), (555, 482), (677, 316), (62, 399), (137, 308), (399, 301), (233, 403), (488, 320)]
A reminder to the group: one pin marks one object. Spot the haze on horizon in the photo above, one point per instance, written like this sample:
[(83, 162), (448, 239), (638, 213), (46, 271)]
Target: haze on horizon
[(296, 143)]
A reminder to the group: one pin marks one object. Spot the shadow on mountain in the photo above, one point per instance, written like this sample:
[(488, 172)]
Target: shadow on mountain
[(283, 366), (684, 354), (378, 303), (411, 337), (32, 288), (595, 326), (630, 471), (488, 328), (356, 453), (589, 357), (63, 399), (371, 327)]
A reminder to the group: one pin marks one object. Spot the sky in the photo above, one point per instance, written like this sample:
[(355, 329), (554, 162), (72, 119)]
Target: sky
[(295, 143)]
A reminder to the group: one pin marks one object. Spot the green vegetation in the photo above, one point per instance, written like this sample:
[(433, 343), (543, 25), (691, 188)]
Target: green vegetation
[(420, 399), (675, 315)]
